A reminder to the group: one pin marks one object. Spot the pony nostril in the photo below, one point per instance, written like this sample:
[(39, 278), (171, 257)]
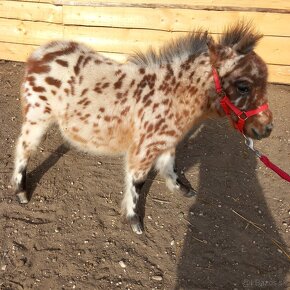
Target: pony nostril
[(256, 134), (269, 129)]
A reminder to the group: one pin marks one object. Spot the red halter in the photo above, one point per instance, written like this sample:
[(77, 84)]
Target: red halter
[(228, 106)]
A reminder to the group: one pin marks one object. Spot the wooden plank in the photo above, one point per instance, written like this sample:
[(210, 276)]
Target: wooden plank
[(28, 32), (279, 74), (20, 52), (173, 19), (161, 19), (273, 50), (31, 11), (245, 5), (37, 1), (119, 40), (15, 51), (282, 6)]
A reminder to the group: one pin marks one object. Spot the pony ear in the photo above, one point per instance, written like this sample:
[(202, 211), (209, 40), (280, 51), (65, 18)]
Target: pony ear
[(242, 37), (247, 44), (213, 50)]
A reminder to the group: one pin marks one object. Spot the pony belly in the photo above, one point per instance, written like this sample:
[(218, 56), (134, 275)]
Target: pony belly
[(108, 141)]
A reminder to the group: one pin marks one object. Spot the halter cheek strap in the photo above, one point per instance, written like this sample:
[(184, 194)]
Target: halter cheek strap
[(229, 107)]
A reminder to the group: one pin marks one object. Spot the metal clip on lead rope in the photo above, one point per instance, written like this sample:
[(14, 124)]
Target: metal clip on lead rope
[(250, 144)]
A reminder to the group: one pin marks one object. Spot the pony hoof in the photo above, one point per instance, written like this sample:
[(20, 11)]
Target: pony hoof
[(137, 228), (136, 225), (190, 193), (22, 197)]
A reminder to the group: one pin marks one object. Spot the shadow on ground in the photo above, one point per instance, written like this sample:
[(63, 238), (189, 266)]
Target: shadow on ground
[(232, 241), (35, 176)]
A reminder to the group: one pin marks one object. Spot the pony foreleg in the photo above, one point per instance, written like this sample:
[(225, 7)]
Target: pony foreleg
[(165, 165)]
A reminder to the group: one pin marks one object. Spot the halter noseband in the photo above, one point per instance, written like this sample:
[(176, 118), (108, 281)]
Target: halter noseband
[(228, 106)]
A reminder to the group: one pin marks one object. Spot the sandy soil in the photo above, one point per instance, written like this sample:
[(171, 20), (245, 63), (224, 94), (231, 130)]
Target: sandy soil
[(233, 235)]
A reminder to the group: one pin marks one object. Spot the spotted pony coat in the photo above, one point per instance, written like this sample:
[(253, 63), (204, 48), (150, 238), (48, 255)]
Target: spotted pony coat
[(142, 108)]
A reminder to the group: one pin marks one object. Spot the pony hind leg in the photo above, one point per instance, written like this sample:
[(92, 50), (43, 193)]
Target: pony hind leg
[(30, 137), (165, 164), (136, 174), (130, 201)]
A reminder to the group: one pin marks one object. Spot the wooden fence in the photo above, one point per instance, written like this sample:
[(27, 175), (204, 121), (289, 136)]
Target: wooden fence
[(117, 28)]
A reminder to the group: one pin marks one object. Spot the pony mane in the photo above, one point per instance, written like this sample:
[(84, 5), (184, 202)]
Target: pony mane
[(192, 44), (242, 35)]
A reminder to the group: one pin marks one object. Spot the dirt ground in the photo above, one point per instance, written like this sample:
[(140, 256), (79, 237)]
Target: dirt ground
[(233, 235)]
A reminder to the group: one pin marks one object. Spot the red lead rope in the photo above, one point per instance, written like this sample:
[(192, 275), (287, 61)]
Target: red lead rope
[(249, 142), (275, 168), (228, 106)]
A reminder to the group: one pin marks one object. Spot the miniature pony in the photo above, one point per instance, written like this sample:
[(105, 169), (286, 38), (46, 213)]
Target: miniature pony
[(142, 108)]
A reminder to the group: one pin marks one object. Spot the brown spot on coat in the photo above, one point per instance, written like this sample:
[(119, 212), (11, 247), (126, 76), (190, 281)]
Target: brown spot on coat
[(156, 144), (37, 67), (158, 124), (78, 138), (83, 118), (123, 101), (26, 109), (169, 133), (150, 128), (66, 90), (86, 61), (44, 98), (84, 92), (105, 85), (118, 83), (62, 62), (39, 89), (125, 111), (165, 102), (140, 112), (81, 80), (77, 66), (87, 103), (148, 103), (82, 101), (147, 96), (118, 72), (47, 110), (53, 82), (31, 80), (155, 106)]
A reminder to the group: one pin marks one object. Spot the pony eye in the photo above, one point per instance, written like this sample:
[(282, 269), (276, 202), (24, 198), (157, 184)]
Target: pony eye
[(242, 88)]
